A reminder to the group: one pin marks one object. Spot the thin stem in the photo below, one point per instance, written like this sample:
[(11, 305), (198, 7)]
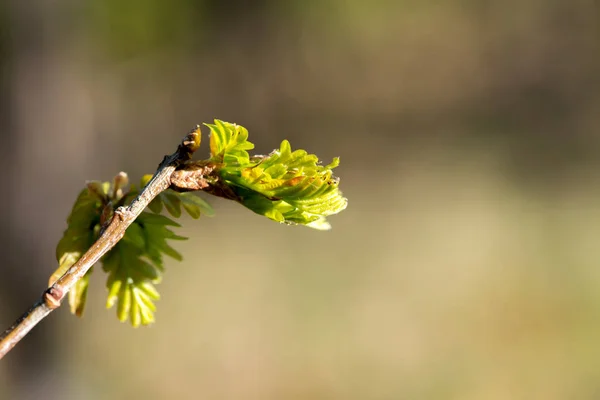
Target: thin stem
[(122, 218)]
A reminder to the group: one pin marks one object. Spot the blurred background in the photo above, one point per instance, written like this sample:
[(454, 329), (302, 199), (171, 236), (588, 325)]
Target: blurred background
[(465, 267)]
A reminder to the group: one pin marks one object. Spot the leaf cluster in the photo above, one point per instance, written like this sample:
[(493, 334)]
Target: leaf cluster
[(286, 186), (136, 263)]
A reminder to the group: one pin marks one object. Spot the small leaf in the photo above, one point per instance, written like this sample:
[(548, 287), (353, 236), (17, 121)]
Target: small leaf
[(156, 205), (82, 227), (130, 283), (124, 303), (135, 236), (172, 203), (135, 263), (150, 290), (321, 224), (146, 218), (78, 294), (98, 189), (114, 286), (229, 142), (195, 206)]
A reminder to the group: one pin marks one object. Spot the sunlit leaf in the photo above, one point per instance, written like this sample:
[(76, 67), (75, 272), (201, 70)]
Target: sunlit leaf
[(288, 186), (135, 264), (130, 284), (228, 143)]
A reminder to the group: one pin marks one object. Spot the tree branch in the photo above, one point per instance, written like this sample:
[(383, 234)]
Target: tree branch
[(114, 231)]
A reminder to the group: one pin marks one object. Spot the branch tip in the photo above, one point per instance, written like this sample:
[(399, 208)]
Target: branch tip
[(109, 236), (191, 142)]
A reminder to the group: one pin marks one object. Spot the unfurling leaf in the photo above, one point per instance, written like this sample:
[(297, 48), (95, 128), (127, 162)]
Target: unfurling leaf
[(289, 187), (228, 143)]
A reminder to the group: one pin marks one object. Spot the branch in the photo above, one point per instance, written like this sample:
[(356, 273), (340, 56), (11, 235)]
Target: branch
[(112, 233), (201, 175)]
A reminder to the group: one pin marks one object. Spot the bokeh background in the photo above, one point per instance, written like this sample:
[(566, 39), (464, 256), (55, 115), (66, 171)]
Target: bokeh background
[(466, 266)]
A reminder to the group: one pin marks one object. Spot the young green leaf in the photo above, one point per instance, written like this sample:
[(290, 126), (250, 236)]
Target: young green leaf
[(130, 284), (228, 143), (195, 206), (156, 233), (135, 263), (289, 187), (78, 295), (81, 232)]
